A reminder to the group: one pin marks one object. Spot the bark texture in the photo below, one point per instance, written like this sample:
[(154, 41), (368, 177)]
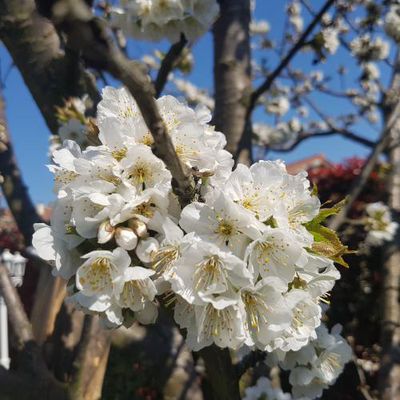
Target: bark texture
[(49, 296), (31, 378), (51, 72), (91, 361), (232, 76), (390, 332)]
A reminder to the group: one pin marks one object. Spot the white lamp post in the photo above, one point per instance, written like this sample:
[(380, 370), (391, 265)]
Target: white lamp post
[(16, 268)]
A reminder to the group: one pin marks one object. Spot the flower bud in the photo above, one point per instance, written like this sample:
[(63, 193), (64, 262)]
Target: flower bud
[(126, 238), (105, 232), (139, 227)]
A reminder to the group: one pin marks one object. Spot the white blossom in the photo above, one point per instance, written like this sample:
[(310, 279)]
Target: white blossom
[(317, 365), (392, 23), (278, 106), (379, 225), (366, 48), (331, 40), (295, 18), (259, 27), (370, 71), (156, 19), (263, 389), (193, 94)]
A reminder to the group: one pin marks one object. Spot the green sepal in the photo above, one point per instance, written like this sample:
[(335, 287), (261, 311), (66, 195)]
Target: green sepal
[(271, 221)]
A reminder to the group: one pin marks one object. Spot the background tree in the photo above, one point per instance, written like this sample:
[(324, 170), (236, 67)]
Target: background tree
[(62, 46)]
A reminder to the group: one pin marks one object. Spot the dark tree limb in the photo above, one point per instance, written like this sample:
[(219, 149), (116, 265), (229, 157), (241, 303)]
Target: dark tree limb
[(36, 50), (32, 379), (168, 64), (13, 186), (89, 35), (64, 342), (49, 296), (91, 360), (311, 135), (249, 361), (220, 373)]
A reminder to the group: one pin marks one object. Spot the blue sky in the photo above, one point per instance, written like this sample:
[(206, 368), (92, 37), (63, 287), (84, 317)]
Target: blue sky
[(30, 134)]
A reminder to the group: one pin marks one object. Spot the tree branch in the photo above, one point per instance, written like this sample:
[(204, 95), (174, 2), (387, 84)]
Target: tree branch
[(336, 131), (49, 296), (220, 373), (32, 378), (362, 179), (91, 360), (168, 64), (249, 361), (36, 50), (292, 52), (89, 35)]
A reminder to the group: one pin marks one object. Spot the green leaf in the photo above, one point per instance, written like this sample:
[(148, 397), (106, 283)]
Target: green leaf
[(326, 241), (324, 213)]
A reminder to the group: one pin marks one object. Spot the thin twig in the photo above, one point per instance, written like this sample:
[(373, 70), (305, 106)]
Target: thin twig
[(342, 131), (293, 51), (363, 381), (168, 63), (359, 183), (307, 135)]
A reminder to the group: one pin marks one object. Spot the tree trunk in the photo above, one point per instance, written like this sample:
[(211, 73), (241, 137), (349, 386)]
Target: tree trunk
[(91, 361), (220, 373), (49, 296), (390, 333), (389, 379), (232, 76)]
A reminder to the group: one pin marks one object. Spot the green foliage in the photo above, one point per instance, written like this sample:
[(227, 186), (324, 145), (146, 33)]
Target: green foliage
[(326, 240)]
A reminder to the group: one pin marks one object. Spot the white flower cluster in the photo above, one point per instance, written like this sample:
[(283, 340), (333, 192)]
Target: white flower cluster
[(264, 390), (330, 39), (235, 263), (193, 94), (317, 365), (260, 27), (379, 224), (73, 124), (295, 17), (283, 133), (366, 48), (392, 23), (156, 19), (279, 105), (370, 71)]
